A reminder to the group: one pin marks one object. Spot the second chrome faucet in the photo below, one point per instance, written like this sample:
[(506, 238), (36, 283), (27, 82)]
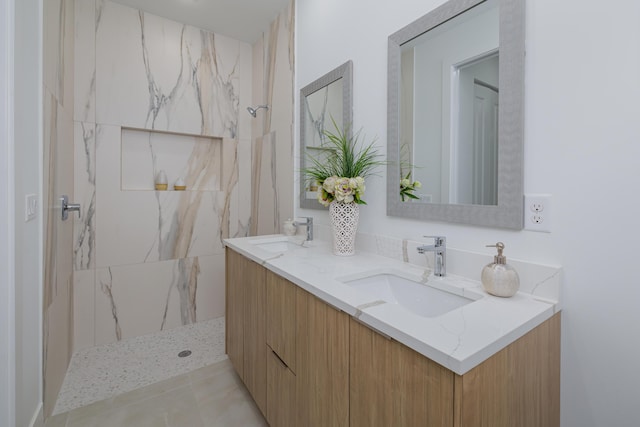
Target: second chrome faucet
[(308, 224), (439, 249)]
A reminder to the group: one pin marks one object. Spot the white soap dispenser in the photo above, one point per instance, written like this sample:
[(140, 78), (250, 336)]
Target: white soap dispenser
[(289, 227), (499, 278)]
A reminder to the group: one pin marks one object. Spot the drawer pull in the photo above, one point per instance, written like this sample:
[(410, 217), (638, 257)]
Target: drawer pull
[(280, 359)]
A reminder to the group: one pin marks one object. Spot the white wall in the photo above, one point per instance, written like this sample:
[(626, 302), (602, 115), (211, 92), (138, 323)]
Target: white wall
[(28, 178), (582, 133), (7, 281)]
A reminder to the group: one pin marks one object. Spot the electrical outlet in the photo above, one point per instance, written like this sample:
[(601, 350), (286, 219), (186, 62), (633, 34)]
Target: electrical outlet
[(536, 207), (537, 212)]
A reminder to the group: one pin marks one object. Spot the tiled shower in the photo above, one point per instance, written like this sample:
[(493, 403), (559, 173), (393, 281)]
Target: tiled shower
[(152, 94)]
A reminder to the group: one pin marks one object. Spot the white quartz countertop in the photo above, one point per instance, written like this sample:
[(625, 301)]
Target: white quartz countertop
[(459, 339)]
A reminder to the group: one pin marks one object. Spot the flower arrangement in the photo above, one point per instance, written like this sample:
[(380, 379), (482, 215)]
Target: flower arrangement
[(341, 174), (407, 188)]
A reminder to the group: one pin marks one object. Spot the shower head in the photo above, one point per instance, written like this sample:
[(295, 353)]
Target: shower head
[(253, 111)]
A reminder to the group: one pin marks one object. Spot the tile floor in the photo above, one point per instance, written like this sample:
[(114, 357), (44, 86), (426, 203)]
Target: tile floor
[(210, 396)]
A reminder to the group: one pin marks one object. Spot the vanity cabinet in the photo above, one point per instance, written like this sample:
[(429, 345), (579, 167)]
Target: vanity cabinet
[(390, 384), (322, 363), (245, 323), (308, 364), (281, 350), (281, 392), (281, 318), (518, 386), (308, 342)]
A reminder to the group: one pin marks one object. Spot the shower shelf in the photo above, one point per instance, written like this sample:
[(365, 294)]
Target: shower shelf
[(193, 158)]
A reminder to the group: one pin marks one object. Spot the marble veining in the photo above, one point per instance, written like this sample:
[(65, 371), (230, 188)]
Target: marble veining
[(230, 190), (176, 225), (140, 73), (57, 16), (272, 187), (457, 332), (106, 285), (99, 5), (174, 293), (550, 281), (186, 284), (190, 77), (458, 339), (157, 99), (84, 242), (266, 206), (271, 49), (316, 117)]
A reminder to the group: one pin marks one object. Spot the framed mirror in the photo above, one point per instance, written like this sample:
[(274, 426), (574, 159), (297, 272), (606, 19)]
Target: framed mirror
[(329, 97), (455, 114)]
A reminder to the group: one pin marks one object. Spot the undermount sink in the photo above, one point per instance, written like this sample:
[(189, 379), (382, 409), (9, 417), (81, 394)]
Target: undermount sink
[(419, 298), (276, 244)]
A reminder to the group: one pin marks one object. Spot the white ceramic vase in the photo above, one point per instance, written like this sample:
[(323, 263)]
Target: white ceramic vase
[(344, 223)]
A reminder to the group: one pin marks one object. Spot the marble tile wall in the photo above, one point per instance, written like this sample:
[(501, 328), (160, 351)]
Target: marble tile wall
[(272, 174), (150, 260), (197, 160), (58, 98)]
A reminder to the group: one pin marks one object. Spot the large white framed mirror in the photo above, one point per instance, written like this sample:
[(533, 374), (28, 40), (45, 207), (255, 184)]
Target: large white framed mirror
[(321, 101), (455, 114)]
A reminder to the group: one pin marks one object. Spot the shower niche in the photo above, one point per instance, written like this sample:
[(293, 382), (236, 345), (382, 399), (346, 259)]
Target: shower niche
[(194, 159)]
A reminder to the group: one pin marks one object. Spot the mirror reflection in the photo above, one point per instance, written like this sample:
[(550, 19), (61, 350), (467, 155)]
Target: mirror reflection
[(320, 107), (455, 110), (448, 102), (322, 102)]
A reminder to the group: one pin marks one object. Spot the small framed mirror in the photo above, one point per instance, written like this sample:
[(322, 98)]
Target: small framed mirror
[(455, 114), (322, 101)]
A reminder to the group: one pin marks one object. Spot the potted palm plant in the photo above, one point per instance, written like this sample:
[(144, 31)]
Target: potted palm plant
[(340, 174)]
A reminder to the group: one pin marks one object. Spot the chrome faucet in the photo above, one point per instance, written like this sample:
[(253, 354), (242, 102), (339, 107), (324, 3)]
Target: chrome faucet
[(309, 224), (439, 249)]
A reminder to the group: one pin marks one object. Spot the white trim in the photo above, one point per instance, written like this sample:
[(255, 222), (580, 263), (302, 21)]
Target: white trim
[(38, 417), (7, 219), (41, 233)]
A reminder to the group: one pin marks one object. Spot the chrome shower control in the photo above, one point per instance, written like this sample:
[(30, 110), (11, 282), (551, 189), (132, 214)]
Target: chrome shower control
[(68, 207)]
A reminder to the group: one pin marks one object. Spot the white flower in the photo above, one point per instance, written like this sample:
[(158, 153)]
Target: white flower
[(330, 184), (323, 197), (405, 183), (344, 192), (417, 184)]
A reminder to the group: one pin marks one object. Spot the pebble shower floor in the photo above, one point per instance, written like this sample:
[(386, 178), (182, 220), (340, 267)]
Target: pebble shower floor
[(105, 371)]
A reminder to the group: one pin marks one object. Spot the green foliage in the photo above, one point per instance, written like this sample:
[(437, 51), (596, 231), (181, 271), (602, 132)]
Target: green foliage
[(346, 157), (407, 187)]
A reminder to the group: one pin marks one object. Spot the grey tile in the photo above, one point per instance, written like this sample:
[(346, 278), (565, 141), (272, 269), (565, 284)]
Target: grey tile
[(151, 390), (223, 400), (56, 421), (236, 409), (211, 370), (176, 407)]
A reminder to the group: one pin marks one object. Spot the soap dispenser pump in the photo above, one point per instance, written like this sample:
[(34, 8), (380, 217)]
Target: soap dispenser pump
[(499, 278)]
